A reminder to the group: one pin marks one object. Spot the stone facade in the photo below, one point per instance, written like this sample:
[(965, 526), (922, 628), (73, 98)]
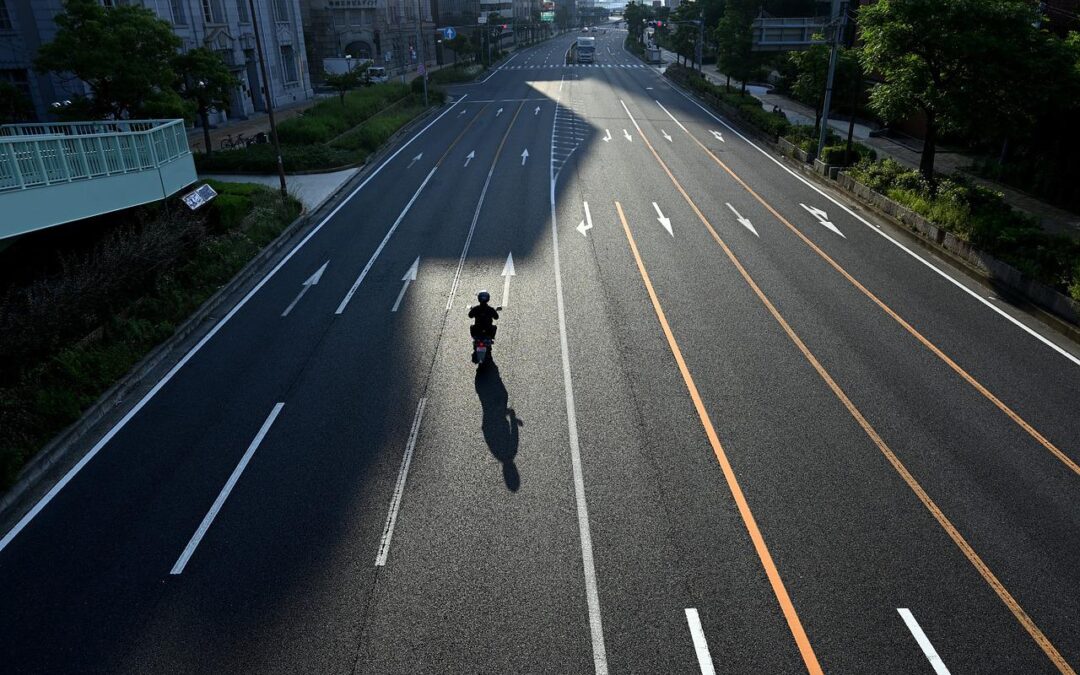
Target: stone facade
[(222, 25), (384, 31)]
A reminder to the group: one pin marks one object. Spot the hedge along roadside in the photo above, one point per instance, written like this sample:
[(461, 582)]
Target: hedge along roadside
[(308, 141)]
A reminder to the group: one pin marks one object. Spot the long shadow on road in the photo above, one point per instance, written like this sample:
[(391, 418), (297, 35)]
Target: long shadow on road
[(500, 423)]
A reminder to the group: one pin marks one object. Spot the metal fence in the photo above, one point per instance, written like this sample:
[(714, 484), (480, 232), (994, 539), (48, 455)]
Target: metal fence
[(36, 155)]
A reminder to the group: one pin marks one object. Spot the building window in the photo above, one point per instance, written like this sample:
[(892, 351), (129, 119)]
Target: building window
[(5, 20), (213, 12), (355, 17), (288, 64), (242, 11), (179, 16), (281, 11)]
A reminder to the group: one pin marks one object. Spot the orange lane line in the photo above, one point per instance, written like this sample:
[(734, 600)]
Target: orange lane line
[(807, 651), (1012, 414), (1018, 612)]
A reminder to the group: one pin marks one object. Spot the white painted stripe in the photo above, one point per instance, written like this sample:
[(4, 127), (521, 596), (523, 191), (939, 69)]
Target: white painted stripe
[(704, 659), (592, 595), (382, 244), (182, 561), (399, 487), (44, 501), (893, 241), (924, 642)]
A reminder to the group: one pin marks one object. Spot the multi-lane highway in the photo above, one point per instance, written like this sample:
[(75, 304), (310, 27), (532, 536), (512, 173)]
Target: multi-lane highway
[(731, 423)]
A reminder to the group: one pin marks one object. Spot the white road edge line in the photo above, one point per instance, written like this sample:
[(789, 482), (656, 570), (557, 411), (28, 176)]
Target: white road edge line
[(44, 501), (704, 658), (1019, 324), (592, 595), (208, 519), (399, 487), (924, 642), (382, 244)]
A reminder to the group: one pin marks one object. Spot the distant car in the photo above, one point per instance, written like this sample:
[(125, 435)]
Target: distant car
[(377, 75), (585, 29)]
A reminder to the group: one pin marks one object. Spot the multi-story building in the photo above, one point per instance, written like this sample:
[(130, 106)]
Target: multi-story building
[(384, 31), (224, 26)]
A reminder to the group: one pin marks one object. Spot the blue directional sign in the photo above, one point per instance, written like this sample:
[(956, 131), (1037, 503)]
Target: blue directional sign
[(449, 33)]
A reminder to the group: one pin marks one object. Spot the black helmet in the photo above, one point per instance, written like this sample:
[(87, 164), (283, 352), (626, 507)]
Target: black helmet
[(483, 296)]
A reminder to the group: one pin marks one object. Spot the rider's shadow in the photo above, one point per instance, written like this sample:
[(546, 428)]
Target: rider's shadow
[(500, 424)]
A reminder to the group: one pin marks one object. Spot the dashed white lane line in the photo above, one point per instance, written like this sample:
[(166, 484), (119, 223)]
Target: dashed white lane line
[(704, 658), (924, 642), (182, 561), (399, 487)]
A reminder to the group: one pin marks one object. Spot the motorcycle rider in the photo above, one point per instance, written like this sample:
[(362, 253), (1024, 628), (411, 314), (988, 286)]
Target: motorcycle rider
[(484, 316)]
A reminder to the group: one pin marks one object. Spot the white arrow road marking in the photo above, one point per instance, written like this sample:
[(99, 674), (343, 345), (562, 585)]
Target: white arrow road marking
[(182, 561), (666, 135), (470, 157), (498, 112), (508, 271), (382, 244), (537, 111), (823, 218), (744, 221), (462, 112), (409, 277), (312, 280), (607, 135), (924, 642), (717, 135), (586, 224), (524, 156), (627, 134), (415, 160), (666, 222)]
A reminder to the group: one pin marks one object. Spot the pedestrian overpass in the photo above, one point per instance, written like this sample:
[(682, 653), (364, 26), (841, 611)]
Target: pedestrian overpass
[(51, 174)]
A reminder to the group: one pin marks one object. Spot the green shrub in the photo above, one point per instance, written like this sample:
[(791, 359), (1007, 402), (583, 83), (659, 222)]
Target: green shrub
[(228, 210), (330, 117), (261, 159), (835, 155), (462, 72)]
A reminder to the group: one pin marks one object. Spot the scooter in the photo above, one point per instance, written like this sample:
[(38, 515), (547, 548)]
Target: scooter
[(482, 343)]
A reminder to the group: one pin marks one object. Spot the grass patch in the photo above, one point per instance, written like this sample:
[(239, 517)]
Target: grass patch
[(314, 141), (461, 72), (72, 335), (980, 216)]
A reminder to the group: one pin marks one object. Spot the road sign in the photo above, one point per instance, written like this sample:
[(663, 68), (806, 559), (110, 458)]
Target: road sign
[(449, 33), (199, 196), (481, 18), (547, 16)]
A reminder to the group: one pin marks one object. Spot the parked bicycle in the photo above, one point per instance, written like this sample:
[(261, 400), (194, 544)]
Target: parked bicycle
[(229, 143)]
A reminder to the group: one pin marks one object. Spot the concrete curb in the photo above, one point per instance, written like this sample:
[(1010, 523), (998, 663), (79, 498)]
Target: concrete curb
[(74, 442)]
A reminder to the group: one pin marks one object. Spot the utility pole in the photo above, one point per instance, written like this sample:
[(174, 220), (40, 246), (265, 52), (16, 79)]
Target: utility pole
[(839, 21), (700, 38), (267, 99), (420, 48)]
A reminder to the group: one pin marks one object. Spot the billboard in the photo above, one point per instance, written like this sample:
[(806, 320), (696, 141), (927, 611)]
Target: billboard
[(547, 16)]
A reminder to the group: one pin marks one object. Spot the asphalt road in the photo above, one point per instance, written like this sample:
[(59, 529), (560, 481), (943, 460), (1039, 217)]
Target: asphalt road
[(730, 425)]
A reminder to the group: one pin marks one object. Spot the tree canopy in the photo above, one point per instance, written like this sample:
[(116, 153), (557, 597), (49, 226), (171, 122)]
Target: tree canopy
[(124, 55)]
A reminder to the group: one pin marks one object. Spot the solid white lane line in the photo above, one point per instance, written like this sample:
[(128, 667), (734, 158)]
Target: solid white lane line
[(704, 659), (382, 244), (924, 642), (592, 595), (399, 487), (44, 501), (1019, 324), (182, 561)]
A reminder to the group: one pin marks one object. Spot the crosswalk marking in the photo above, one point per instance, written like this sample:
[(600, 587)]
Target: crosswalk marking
[(573, 65)]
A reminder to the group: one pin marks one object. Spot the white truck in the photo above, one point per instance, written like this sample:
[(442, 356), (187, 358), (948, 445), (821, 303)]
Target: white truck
[(586, 49)]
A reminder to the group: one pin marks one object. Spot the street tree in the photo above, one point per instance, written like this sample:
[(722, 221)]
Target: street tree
[(205, 82), (811, 74), (343, 82), (124, 55), (734, 38), (461, 44), (963, 64), (635, 15)]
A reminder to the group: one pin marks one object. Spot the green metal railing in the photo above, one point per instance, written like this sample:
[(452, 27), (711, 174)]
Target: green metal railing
[(37, 155)]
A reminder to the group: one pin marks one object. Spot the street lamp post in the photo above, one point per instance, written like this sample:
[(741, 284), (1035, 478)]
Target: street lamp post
[(267, 99)]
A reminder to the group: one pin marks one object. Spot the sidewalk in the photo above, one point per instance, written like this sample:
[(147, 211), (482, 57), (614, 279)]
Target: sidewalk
[(907, 151)]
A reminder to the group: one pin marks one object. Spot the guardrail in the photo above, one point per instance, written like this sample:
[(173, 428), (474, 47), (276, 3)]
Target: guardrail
[(38, 155)]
